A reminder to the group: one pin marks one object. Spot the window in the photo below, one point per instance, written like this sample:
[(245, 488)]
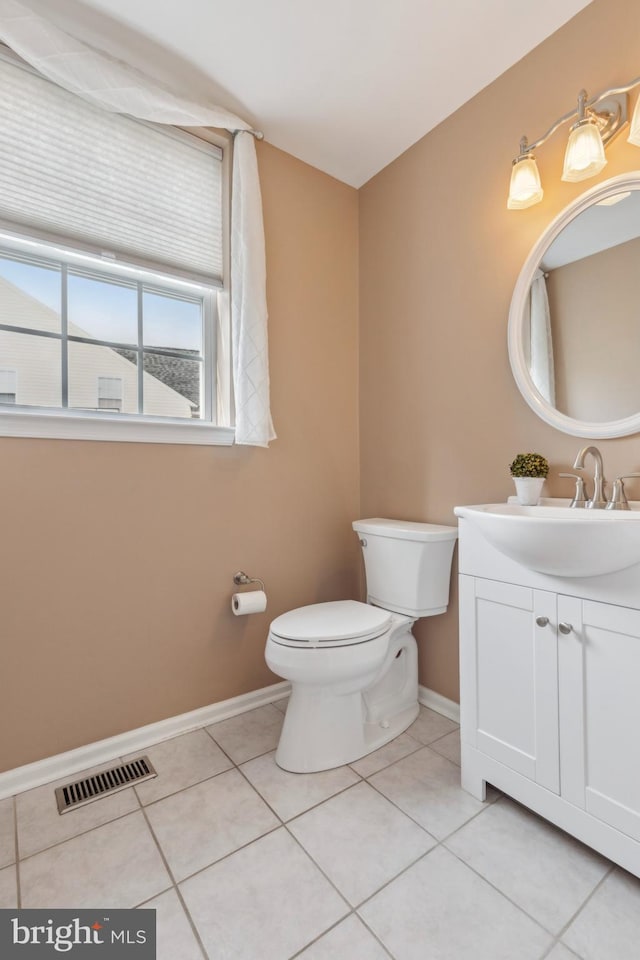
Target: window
[(112, 257), (87, 340), (110, 393), (8, 381)]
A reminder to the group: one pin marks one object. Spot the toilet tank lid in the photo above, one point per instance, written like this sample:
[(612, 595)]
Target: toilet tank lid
[(404, 529)]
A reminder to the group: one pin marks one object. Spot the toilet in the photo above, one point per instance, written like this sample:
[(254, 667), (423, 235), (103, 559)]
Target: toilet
[(353, 666)]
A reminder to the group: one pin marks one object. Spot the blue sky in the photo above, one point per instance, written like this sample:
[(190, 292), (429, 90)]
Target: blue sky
[(108, 311)]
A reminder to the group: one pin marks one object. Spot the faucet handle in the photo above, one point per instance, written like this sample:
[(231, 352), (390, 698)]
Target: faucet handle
[(618, 496), (579, 497)]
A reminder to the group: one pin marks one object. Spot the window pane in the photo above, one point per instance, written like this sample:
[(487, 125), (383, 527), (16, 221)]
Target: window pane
[(102, 310), (91, 367), (172, 322), (29, 295), (31, 365), (172, 386)]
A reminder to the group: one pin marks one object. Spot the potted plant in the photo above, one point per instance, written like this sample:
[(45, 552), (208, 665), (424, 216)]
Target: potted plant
[(529, 471)]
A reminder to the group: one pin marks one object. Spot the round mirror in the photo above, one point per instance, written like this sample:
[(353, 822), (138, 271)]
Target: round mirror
[(574, 323)]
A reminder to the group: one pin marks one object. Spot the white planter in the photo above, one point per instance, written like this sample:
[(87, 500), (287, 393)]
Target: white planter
[(528, 490)]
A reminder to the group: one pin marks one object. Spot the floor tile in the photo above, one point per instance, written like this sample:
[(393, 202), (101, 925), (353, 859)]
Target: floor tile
[(290, 794), (560, 952), (427, 787), (430, 726), (448, 746), (265, 901), (206, 822), (180, 763), (350, 940), (7, 832), (439, 909), (542, 869), (8, 888), (608, 927), (175, 939), (41, 826), (115, 865), (384, 756), (249, 734), (360, 840)]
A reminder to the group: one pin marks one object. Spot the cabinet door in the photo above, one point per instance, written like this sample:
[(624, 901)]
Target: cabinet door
[(599, 662), (510, 664)]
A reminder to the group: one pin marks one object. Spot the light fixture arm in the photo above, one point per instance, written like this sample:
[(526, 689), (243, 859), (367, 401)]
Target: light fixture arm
[(551, 130), (588, 104)]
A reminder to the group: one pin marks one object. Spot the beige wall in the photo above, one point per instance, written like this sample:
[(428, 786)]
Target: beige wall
[(441, 417), (593, 304), (116, 602)]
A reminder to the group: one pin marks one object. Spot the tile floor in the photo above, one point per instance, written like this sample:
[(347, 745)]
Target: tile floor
[(387, 857)]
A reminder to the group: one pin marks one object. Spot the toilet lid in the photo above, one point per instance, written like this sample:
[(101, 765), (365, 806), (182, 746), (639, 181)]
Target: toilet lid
[(340, 620)]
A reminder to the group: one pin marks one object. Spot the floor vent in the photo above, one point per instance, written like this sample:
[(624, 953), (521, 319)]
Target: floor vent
[(81, 792)]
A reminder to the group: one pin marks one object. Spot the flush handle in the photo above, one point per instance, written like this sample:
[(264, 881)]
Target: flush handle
[(363, 542), (542, 621), (565, 628)]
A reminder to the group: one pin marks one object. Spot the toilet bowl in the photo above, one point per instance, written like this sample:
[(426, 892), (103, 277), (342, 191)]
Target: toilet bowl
[(353, 666)]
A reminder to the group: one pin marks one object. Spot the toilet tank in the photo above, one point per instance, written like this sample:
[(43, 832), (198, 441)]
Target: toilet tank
[(407, 564)]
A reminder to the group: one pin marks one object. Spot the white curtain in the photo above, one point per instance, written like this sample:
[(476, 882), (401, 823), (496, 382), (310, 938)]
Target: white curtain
[(115, 86), (537, 339)]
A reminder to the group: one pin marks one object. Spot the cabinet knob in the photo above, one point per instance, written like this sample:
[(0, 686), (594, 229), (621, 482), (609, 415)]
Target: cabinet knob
[(542, 621), (565, 628)]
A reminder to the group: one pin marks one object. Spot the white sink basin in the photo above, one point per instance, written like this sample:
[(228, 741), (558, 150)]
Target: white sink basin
[(558, 540)]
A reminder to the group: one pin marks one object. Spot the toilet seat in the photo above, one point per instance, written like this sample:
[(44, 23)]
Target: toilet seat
[(333, 624)]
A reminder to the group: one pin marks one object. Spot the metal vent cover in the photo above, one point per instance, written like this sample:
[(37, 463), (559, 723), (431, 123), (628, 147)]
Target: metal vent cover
[(80, 792)]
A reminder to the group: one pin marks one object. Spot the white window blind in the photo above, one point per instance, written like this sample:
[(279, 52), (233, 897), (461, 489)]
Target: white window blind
[(142, 193)]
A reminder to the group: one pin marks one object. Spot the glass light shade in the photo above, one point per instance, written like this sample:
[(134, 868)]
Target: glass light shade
[(525, 188), (634, 133), (584, 156)]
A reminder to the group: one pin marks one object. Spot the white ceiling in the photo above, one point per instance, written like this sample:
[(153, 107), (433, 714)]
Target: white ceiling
[(346, 85)]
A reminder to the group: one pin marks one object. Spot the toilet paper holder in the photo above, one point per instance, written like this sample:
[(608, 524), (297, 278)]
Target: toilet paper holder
[(241, 579)]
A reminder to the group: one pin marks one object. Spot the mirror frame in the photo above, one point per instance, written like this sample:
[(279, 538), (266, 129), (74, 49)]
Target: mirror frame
[(540, 406)]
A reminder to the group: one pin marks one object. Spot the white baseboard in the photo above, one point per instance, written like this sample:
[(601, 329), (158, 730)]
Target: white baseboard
[(438, 703), (103, 751)]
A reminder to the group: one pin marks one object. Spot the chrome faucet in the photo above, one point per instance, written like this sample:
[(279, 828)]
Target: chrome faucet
[(597, 501)]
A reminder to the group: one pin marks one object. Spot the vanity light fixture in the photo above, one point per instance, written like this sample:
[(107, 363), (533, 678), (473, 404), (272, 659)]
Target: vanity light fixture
[(584, 156), (594, 124), (526, 188)]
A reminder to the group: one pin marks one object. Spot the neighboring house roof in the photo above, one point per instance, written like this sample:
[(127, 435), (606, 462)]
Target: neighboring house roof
[(181, 373)]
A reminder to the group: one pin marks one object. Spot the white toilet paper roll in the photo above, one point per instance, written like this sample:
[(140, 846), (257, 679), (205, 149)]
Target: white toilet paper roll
[(253, 601)]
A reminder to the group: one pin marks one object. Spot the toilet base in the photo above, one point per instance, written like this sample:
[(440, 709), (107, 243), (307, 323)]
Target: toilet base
[(298, 755), (346, 703)]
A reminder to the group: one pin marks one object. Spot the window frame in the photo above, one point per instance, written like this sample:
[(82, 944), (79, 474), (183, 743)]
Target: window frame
[(60, 423), (63, 423)]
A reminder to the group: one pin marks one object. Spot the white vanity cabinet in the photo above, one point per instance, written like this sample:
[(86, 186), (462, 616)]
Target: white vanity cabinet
[(599, 696), (550, 694)]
